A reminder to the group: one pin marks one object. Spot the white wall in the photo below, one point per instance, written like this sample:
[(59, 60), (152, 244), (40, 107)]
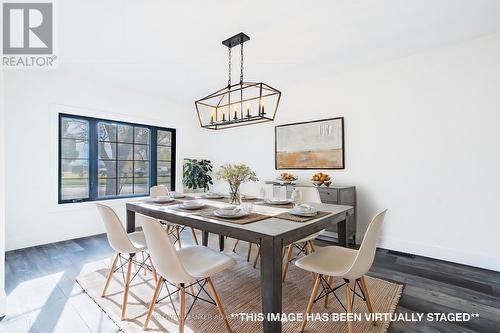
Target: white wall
[(422, 139), (2, 198), (34, 99)]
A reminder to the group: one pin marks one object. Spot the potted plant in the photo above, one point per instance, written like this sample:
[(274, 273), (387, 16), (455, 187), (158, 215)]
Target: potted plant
[(196, 174), (235, 175)]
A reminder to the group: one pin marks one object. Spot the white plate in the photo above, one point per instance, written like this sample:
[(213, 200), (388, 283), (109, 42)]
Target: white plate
[(213, 196), (311, 213), (198, 206), (162, 200), (179, 195), (235, 216), (277, 202)]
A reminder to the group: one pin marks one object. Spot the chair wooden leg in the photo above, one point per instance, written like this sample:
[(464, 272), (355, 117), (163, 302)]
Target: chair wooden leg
[(307, 252), (348, 300), (127, 286), (249, 251), (306, 248), (367, 296), (194, 236), (311, 302), (178, 233), (311, 245), (182, 308), (256, 257), (329, 281), (153, 269), (235, 245), (287, 260), (153, 301), (191, 290), (219, 304), (110, 275)]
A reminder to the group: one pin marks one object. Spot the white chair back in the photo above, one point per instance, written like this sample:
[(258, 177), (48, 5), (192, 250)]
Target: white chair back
[(117, 236), (366, 253), (309, 194), (163, 253), (158, 191)]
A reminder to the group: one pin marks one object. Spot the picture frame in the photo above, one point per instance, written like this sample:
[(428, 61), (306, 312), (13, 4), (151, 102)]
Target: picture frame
[(316, 144)]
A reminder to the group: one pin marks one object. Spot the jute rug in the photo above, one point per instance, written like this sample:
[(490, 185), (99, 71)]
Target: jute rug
[(239, 290)]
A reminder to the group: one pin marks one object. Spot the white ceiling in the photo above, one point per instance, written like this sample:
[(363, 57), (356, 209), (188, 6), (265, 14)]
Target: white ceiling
[(173, 48)]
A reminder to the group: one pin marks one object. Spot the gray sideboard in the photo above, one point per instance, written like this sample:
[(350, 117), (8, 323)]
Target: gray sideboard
[(335, 194)]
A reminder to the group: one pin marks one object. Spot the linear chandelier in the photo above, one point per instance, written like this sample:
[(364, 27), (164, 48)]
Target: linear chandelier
[(238, 104)]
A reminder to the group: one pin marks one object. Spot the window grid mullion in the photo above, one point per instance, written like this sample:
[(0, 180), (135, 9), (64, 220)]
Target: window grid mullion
[(93, 162), (93, 158)]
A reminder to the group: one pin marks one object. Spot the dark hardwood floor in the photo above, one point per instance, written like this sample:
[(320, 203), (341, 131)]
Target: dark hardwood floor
[(43, 297)]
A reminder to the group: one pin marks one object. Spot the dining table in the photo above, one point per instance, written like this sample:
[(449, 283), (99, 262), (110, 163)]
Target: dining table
[(272, 233)]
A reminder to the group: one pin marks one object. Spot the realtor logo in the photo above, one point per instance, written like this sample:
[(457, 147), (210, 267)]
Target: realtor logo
[(28, 35)]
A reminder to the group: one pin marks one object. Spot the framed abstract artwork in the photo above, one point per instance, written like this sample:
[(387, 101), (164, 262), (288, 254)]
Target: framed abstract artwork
[(317, 144)]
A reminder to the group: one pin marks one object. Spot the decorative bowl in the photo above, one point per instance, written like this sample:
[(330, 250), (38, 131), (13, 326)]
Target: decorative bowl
[(317, 182)]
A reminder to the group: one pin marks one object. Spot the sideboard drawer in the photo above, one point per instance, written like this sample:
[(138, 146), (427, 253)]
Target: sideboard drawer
[(329, 195)]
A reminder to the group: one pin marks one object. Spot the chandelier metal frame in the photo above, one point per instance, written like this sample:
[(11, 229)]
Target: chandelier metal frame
[(225, 108)]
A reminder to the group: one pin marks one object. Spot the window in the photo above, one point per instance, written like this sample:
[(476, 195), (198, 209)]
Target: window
[(103, 159), (164, 153)]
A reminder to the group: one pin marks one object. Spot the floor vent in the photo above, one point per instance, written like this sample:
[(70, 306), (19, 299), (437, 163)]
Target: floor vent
[(400, 254)]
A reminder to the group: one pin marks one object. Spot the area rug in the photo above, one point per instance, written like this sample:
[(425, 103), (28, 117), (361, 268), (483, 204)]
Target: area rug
[(239, 289)]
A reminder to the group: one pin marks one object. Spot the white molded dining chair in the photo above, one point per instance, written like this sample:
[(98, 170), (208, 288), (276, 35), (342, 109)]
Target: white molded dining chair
[(162, 190), (348, 264), (188, 266), (304, 245), (126, 247)]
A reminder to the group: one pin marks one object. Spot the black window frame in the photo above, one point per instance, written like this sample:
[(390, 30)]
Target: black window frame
[(93, 160)]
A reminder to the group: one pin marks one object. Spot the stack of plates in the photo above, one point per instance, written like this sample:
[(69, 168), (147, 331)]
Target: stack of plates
[(213, 196), (192, 205), (233, 214), (275, 201), (162, 199), (303, 210)]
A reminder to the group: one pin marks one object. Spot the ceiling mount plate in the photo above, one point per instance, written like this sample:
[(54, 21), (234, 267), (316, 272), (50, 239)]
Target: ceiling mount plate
[(236, 40)]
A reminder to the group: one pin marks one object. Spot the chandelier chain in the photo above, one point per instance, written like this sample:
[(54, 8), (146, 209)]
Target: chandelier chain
[(241, 65), (229, 78)]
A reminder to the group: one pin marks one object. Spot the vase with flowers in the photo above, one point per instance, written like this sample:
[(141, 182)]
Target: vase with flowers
[(235, 175)]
